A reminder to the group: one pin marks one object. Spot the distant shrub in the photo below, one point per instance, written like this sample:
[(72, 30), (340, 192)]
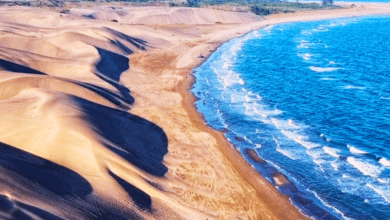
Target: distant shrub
[(193, 3), (65, 11), (258, 10), (176, 4), (327, 2)]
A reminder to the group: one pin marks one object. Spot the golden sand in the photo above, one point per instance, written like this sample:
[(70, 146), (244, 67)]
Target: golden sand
[(97, 120)]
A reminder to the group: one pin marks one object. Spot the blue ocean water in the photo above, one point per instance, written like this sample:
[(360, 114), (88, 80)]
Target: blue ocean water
[(313, 100)]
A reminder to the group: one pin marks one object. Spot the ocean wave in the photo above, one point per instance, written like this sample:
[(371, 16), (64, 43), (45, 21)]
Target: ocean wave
[(315, 153), (331, 151), (304, 44), (354, 87), (384, 181), (354, 150), (384, 192), (259, 112), (287, 153), (319, 162), (284, 124), (324, 137), (323, 69), (386, 98), (300, 139), (268, 28), (335, 165), (225, 76), (320, 29), (328, 79), (307, 56), (329, 206), (385, 162), (366, 168)]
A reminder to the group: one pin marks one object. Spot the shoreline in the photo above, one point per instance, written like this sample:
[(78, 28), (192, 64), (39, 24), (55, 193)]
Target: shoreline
[(185, 169), (233, 154)]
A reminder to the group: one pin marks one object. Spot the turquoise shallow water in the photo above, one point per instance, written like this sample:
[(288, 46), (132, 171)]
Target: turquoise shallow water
[(313, 100)]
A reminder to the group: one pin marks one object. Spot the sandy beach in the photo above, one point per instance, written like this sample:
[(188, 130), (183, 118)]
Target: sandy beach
[(97, 120)]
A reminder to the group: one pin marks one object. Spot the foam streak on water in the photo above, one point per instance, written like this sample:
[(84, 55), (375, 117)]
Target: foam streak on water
[(280, 89)]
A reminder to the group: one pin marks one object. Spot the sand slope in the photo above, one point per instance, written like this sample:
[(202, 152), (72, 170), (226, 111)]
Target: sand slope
[(97, 121)]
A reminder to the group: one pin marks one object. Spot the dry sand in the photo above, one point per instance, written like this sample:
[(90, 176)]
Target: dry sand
[(97, 121)]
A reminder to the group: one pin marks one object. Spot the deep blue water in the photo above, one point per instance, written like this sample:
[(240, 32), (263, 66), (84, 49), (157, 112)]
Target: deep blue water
[(313, 100)]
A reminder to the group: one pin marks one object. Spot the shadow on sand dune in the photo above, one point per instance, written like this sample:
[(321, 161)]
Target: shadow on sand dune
[(140, 198), (53, 177), (17, 210), (22, 173), (110, 96), (137, 140), (110, 67), (14, 67), (138, 43)]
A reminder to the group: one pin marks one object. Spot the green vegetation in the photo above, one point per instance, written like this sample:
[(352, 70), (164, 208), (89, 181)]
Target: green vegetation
[(267, 8), (257, 7)]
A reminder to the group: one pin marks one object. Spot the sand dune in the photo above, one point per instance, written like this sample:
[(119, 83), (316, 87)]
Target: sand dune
[(165, 15), (97, 121)]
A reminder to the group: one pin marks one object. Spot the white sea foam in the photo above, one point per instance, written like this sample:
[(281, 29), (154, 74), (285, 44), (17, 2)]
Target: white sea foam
[(323, 69), (319, 162), (232, 78), (353, 87), (320, 29), (331, 62), (237, 98), (386, 98), (315, 153), (237, 46), (384, 181), (258, 146), (267, 113), (365, 167), (268, 28), (384, 193), (329, 206), (385, 162), (227, 63), (300, 139), (287, 153), (247, 98), (331, 151), (304, 44), (276, 141), (328, 79), (307, 56), (258, 112), (335, 166), (248, 140), (283, 124), (323, 136), (354, 150)]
